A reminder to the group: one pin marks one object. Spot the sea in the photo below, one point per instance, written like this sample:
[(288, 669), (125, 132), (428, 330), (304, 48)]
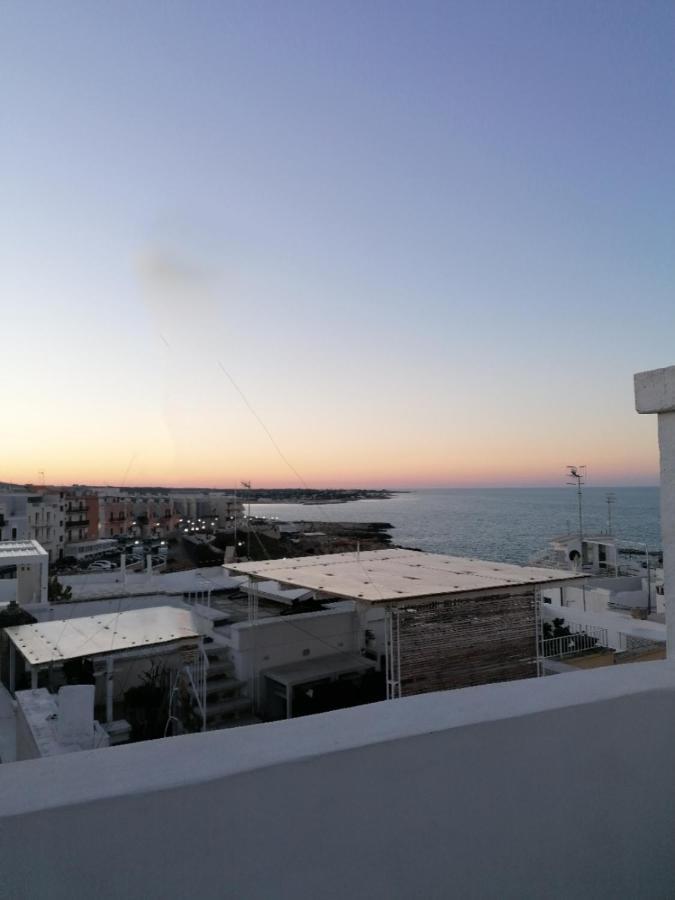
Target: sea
[(502, 524)]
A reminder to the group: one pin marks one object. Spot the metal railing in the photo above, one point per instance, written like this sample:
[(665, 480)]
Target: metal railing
[(581, 639)]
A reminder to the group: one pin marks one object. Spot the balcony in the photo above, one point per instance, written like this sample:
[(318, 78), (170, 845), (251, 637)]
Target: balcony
[(77, 523), (557, 787)]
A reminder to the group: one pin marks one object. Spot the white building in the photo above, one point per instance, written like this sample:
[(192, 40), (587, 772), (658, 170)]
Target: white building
[(625, 592), (596, 554), (46, 522), (31, 582)]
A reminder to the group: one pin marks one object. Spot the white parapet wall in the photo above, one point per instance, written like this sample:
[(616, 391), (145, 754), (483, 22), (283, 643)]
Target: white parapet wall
[(599, 594), (558, 787), (277, 641)]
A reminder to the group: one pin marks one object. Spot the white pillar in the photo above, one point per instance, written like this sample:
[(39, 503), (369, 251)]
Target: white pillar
[(33, 678), (109, 684), (148, 564), (655, 393), (123, 567)]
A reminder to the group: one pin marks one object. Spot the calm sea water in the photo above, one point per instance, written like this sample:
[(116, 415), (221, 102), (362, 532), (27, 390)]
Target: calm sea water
[(505, 524)]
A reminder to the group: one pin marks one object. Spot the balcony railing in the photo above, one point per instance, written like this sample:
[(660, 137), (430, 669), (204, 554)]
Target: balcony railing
[(581, 641)]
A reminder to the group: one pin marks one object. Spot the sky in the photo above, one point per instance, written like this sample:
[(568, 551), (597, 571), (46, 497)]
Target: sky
[(334, 244)]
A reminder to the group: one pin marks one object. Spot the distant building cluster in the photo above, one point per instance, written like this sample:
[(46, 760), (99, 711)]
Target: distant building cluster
[(69, 522)]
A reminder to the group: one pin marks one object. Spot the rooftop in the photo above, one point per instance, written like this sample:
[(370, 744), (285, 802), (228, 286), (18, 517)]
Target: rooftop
[(15, 551), (380, 576), (110, 633), (99, 585)]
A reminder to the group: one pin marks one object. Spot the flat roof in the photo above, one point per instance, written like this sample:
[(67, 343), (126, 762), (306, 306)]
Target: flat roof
[(316, 669), (382, 576), (20, 550), (102, 585), (106, 634)]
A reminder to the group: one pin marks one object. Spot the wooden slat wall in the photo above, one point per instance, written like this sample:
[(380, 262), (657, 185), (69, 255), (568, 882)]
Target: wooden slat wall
[(460, 642)]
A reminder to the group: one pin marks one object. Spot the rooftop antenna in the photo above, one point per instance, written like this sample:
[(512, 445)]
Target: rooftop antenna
[(42, 477), (247, 485), (236, 552), (577, 474), (611, 500)]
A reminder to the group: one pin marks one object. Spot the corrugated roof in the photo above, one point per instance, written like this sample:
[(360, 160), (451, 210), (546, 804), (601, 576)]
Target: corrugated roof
[(380, 576)]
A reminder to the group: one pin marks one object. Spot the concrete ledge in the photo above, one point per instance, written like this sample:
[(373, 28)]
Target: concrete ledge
[(563, 788), (655, 390), (195, 759)]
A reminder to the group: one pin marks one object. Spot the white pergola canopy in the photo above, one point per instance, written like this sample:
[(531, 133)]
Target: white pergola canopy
[(385, 576), (104, 635)]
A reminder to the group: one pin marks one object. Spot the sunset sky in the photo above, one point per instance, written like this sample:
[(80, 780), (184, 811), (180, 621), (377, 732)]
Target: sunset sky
[(347, 243)]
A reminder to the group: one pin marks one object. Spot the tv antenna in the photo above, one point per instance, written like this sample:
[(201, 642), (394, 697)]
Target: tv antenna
[(611, 500), (577, 474), (247, 485)]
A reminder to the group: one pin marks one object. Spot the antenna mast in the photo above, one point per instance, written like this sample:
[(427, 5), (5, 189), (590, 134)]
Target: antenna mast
[(578, 476), (247, 485), (611, 500)]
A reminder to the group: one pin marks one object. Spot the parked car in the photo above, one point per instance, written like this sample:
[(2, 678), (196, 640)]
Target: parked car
[(103, 564)]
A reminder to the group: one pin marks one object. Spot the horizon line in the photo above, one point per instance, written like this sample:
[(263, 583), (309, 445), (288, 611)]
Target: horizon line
[(304, 488)]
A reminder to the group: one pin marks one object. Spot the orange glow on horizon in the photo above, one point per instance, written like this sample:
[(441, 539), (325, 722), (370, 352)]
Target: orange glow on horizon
[(138, 474)]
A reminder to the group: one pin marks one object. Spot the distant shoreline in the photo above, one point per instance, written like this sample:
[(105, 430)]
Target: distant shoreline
[(324, 497)]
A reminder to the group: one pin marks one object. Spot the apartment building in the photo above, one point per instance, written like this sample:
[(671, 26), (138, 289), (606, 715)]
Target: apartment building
[(47, 522), (115, 515), (81, 516)]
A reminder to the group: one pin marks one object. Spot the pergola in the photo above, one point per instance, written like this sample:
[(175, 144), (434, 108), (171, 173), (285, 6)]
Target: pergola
[(449, 621), (112, 636)]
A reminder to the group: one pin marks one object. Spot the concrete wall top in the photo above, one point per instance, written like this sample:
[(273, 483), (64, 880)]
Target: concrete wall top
[(198, 758), (555, 788), (655, 390)]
